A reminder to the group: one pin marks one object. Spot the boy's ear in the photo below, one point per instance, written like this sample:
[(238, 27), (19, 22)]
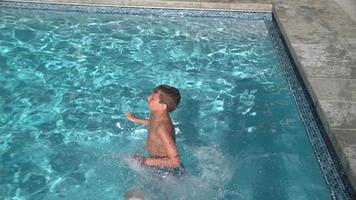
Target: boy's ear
[(164, 106)]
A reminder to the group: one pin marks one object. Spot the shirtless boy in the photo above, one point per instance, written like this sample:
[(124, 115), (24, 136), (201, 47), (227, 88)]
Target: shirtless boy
[(160, 142)]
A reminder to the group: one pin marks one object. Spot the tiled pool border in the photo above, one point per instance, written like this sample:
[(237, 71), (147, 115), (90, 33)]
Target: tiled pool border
[(329, 164)]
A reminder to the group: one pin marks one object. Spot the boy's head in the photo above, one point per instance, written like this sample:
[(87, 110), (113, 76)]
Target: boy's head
[(164, 97), (134, 194)]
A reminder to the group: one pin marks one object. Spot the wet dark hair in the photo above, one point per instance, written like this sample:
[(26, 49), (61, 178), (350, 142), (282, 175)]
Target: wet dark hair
[(169, 96)]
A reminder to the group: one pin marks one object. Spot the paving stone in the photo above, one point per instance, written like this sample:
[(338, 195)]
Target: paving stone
[(341, 115), (334, 89), (344, 142), (325, 60), (349, 6)]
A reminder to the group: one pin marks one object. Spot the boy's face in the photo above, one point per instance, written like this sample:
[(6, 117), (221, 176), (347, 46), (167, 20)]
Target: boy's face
[(153, 102)]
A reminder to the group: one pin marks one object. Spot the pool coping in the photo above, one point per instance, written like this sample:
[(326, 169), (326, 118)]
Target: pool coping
[(281, 16)]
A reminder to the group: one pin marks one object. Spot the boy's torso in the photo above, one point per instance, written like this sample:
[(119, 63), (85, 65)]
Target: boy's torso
[(154, 143)]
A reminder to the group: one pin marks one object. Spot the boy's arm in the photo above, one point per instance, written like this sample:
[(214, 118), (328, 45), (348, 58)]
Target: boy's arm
[(130, 116), (172, 159)]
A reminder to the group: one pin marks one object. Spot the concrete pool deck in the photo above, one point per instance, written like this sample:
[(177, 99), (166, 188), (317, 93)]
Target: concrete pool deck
[(321, 36)]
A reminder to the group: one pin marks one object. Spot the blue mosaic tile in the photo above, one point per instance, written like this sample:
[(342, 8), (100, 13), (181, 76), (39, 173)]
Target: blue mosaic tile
[(331, 169)]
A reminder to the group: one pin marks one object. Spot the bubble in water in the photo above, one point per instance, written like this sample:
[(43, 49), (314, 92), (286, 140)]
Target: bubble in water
[(251, 129), (118, 125)]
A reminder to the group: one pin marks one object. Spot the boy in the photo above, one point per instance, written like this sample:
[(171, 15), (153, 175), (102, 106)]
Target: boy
[(133, 194), (160, 142)]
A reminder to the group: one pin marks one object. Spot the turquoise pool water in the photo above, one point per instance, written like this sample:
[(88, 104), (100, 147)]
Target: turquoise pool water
[(67, 78)]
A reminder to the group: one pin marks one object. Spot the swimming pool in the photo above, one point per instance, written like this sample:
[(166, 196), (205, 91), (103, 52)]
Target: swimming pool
[(66, 79)]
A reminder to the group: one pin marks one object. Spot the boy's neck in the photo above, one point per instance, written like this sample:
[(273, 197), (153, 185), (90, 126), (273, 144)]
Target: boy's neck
[(159, 114)]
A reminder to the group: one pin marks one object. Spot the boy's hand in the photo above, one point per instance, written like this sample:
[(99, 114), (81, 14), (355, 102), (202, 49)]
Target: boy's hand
[(130, 116)]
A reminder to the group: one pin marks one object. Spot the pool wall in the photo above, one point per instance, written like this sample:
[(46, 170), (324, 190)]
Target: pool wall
[(321, 39)]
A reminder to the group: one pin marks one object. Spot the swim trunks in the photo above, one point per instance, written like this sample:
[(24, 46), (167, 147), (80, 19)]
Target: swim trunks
[(164, 171)]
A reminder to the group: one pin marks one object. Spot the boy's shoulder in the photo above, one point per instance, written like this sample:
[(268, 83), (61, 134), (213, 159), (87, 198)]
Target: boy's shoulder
[(165, 124)]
